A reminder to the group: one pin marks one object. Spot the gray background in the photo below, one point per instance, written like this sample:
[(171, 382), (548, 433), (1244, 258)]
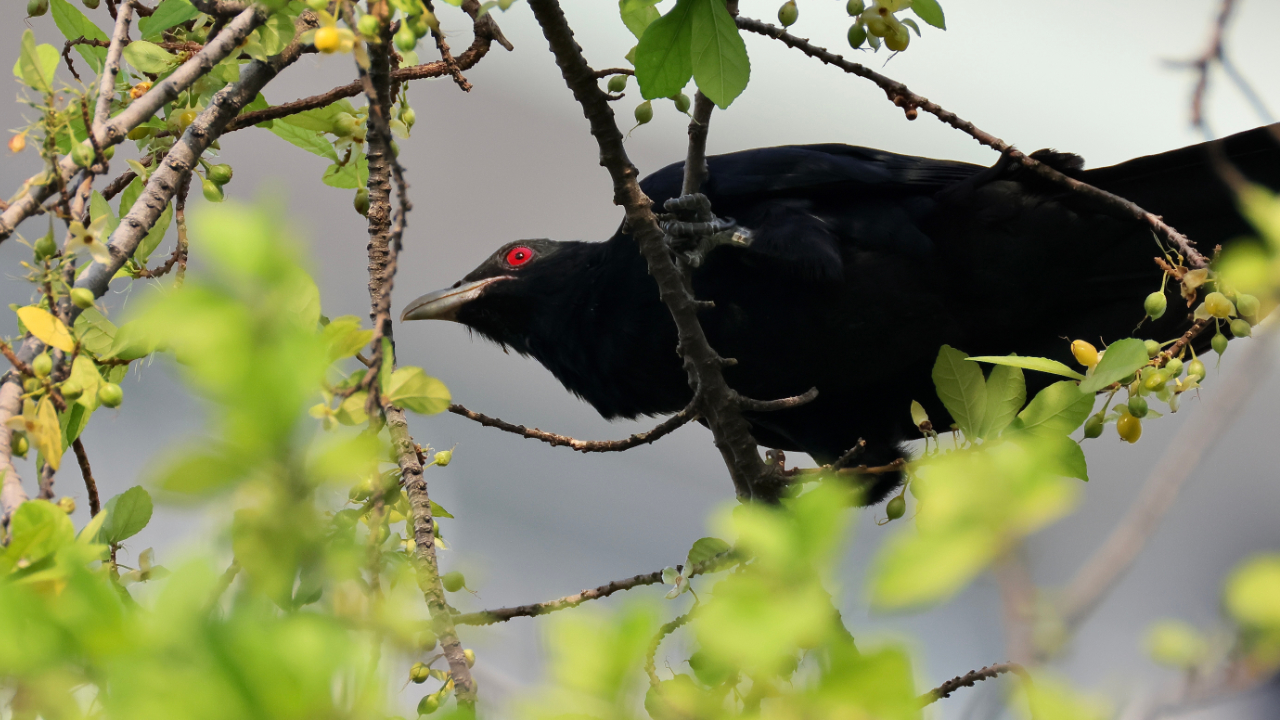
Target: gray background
[(513, 159)]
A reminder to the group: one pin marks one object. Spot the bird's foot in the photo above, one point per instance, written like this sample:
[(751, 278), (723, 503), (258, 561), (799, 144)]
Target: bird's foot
[(692, 231)]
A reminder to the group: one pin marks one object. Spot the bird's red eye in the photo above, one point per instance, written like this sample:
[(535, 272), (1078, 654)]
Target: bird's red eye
[(519, 255)]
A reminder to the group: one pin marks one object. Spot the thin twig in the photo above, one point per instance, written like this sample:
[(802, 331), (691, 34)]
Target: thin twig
[(970, 679), (584, 446), (489, 617), (911, 103), (95, 505)]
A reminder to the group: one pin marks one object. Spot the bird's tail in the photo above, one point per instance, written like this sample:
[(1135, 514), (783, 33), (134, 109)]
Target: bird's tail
[(1187, 186)]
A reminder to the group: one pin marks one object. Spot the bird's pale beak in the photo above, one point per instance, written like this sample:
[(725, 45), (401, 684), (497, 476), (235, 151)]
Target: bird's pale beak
[(444, 304)]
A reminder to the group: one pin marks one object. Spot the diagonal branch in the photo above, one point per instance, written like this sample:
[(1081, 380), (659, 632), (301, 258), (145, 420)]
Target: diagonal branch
[(911, 103), (662, 429), (115, 130), (970, 679), (752, 478), (489, 617)]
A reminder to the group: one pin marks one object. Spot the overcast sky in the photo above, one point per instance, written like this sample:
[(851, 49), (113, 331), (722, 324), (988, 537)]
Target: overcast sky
[(513, 159)]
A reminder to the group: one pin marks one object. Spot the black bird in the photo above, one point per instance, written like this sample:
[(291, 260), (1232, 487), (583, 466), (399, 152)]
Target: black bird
[(863, 263)]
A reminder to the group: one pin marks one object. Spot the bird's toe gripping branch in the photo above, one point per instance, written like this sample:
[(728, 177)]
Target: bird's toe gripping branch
[(692, 231)]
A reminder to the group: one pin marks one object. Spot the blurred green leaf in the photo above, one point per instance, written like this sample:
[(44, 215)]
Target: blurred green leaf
[(1252, 594), (962, 389), (1176, 644), (127, 514), (36, 530), (344, 337)]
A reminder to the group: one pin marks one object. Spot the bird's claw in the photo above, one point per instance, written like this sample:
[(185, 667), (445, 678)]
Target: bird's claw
[(699, 231)]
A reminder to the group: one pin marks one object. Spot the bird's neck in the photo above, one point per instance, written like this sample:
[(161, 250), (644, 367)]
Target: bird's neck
[(597, 335)]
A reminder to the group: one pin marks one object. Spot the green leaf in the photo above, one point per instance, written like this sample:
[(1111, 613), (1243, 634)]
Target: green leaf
[(438, 511), (961, 388), (1067, 455), (638, 14), (320, 119), (36, 530), (930, 12), (1057, 409), (310, 140), (75, 25), (917, 570), (166, 15), (36, 65), (73, 422), (1045, 365), (354, 174), (720, 64), (412, 389), (664, 58), (94, 331), (1006, 392), (1120, 360), (84, 372), (149, 57), (344, 337), (98, 207), (130, 195), (127, 514), (704, 549), (153, 237)]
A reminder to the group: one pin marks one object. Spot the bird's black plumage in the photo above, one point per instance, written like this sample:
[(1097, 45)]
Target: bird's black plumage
[(863, 264)]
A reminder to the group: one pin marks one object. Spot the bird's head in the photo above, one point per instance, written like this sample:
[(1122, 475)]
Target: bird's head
[(502, 297)]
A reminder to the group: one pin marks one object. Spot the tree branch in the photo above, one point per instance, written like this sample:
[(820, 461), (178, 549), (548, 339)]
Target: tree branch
[(666, 427), (115, 130), (489, 617), (970, 679), (719, 403), (911, 103), (95, 505)]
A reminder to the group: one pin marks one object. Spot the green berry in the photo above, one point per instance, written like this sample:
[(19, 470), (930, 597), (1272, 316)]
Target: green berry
[(1173, 368), (42, 365), (82, 155), (1093, 426), (617, 83), (443, 458), (1217, 305), (212, 190), (470, 656), (405, 40), (1219, 343), (369, 26), (453, 581), (45, 247), (71, 390), (857, 35), (855, 7), (362, 201), (408, 117), (36, 8), (421, 24), (1241, 328), (18, 444), (419, 673), (91, 4), (896, 508), (345, 124), (67, 504), (682, 102), (220, 174), (1155, 304), (1154, 380), (31, 385), (788, 13), (110, 395), (428, 704), (898, 39), (1153, 348), (1138, 406), (1129, 427), (1247, 305), (644, 112), (1195, 370)]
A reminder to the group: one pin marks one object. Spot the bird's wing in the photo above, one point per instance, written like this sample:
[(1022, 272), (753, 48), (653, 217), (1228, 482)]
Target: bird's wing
[(806, 205)]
